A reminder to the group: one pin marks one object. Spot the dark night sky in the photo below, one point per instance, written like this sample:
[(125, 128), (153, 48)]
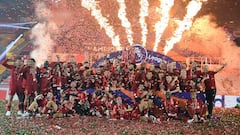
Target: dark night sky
[(227, 12)]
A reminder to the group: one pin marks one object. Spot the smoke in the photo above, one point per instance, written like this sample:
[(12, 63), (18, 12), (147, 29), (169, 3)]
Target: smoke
[(210, 40), (41, 34)]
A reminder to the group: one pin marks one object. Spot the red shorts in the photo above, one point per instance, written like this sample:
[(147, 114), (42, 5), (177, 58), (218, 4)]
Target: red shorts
[(16, 89), (31, 88)]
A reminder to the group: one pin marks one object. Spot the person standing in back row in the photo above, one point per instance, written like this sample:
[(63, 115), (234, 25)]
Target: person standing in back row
[(32, 76), (210, 87), (15, 85)]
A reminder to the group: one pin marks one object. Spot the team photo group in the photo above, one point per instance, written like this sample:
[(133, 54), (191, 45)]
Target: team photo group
[(116, 89)]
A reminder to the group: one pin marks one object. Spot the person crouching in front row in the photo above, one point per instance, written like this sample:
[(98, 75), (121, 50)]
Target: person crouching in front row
[(196, 109)]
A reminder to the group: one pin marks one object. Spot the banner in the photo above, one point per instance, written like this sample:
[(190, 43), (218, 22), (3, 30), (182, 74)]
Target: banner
[(226, 101), (141, 54)]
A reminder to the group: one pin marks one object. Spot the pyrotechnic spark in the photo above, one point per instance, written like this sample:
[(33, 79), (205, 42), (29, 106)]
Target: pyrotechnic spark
[(91, 5), (143, 13), (9, 47), (192, 9), (161, 25), (124, 20)]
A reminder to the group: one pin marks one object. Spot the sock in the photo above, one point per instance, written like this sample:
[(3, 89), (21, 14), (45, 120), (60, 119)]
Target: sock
[(22, 108), (25, 107), (9, 108), (19, 107)]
